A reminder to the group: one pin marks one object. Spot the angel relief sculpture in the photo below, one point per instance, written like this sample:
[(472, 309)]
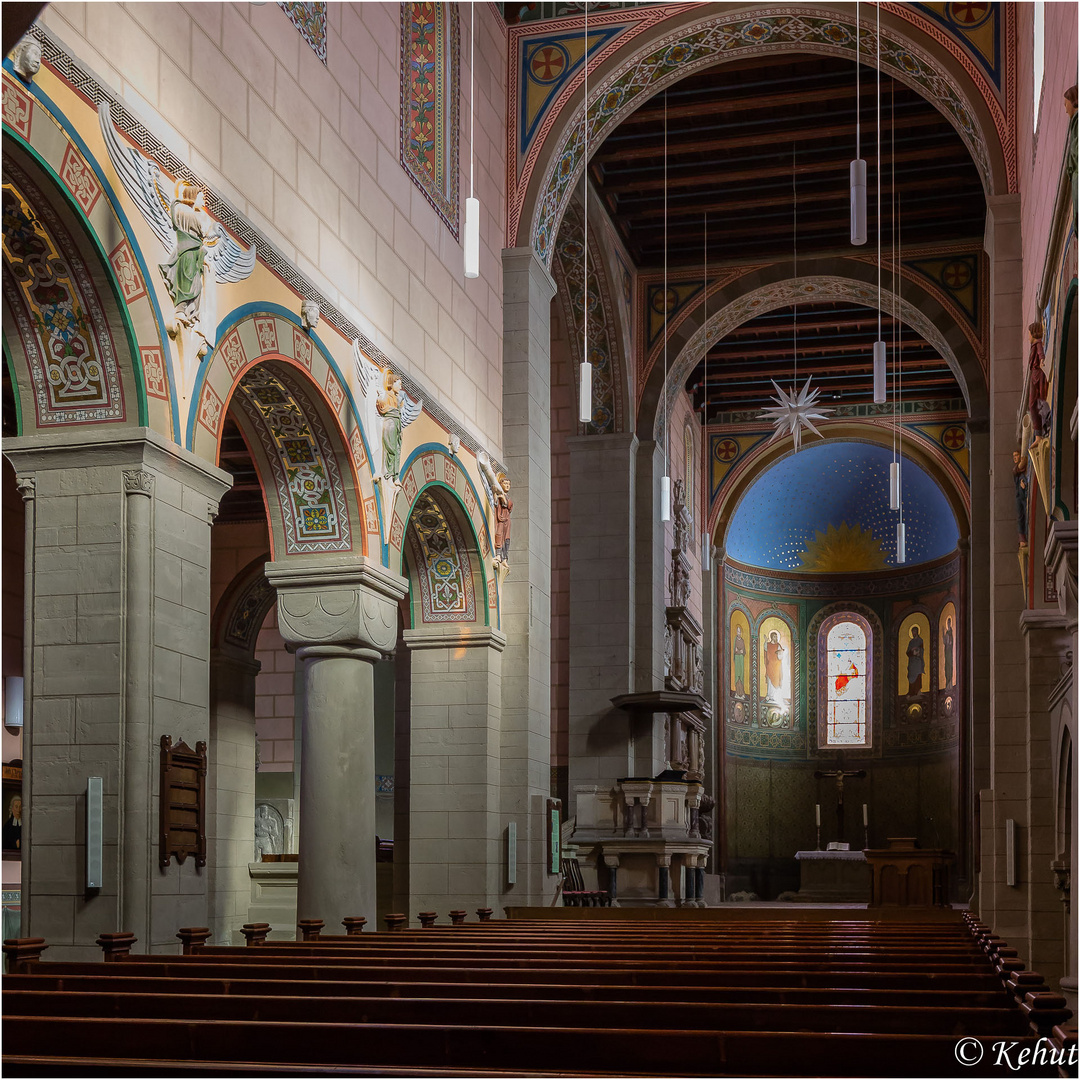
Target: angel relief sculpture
[(200, 252), (387, 409)]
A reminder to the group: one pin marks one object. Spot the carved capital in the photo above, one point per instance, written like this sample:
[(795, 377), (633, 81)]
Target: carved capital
[(27, 486), (348, 602), (138, 482)]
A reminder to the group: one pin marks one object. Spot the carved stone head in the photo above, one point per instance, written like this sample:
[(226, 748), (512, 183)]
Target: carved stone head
[(309, 314), (28, 58)]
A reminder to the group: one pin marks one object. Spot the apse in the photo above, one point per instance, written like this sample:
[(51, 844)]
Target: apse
[(826, 510)]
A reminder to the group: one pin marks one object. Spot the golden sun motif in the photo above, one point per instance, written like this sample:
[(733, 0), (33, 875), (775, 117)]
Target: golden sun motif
[(843, 550)]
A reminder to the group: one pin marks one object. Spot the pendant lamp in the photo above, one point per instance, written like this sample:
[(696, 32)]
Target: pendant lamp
[(472, 204), (857, 169), (585, 371)]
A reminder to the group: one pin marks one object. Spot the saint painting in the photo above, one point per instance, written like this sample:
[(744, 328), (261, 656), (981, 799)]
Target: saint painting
[(775, 678), (913, 660), (739, 645), (947, 647)]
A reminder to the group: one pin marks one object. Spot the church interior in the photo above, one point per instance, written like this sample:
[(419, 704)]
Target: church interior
[(542, 459)]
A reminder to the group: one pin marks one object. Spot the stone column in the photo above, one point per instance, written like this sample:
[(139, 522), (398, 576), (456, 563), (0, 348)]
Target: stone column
[(602, 507), (454, 820), (230, 785), (525, 595), (136, 760), (28, 489), (339, 614), (1001, 905), (650, 570)]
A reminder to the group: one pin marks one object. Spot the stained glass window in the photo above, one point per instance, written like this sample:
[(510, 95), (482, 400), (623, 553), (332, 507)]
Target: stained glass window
[(847, 701)]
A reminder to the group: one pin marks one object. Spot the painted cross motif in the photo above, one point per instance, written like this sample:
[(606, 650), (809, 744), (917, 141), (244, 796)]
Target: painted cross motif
[(727, 450), (210, 413), (956, 275), (955, 438), (547, 63), (301, 348)]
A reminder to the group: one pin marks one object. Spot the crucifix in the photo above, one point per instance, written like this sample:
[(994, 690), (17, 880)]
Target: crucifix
[(839, 772)]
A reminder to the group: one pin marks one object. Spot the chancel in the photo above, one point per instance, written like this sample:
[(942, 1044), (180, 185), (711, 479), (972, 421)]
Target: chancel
[(529, 474)]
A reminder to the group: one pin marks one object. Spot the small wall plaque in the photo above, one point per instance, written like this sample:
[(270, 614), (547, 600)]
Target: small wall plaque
[(183, 802)]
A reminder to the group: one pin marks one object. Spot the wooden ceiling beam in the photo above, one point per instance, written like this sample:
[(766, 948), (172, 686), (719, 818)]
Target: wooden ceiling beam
[(837, 165), (785, 137), (718, 106)]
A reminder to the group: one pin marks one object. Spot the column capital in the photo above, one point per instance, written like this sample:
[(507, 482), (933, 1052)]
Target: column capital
[(138, 482), (346, 601)]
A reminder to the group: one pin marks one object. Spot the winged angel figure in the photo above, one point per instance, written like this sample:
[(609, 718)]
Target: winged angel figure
[(199, 250), (386, 408)]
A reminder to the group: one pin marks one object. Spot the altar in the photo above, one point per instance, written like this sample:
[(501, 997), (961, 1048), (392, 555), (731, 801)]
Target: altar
[(833, 877)]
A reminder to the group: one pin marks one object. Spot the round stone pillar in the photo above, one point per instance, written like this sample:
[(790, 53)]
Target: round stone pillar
[(339, 614), (336, 870)]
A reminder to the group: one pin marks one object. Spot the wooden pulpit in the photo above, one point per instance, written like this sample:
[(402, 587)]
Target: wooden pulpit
[(905, 875)]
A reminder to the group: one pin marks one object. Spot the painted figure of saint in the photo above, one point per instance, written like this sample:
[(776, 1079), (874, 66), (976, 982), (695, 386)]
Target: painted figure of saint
[(389, 408), (738, 650), (1020, 483), (915, 663), (504, 506), (947, 645), (13, 825), (774, 665)]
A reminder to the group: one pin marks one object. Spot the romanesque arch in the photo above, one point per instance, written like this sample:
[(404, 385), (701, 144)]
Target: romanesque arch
[(293, 406), (75, 357), (911, 51)]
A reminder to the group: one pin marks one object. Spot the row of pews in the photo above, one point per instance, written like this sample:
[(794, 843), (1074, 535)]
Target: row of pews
[(536, 997)]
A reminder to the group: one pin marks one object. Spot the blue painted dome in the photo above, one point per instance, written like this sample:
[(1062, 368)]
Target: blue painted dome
[(826, 510)]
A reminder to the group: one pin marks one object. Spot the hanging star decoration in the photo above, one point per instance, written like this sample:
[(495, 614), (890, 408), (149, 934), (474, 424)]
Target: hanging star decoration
[(792, 412)]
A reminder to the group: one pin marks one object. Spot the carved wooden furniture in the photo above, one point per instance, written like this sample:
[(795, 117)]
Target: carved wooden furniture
[(905, 875), (183, 802)]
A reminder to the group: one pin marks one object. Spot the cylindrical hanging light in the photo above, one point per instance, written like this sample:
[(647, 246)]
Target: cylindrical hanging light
[(880, 393), (858, 201), (665, 480), (901, 543), (585, 377), (706, 552), (857, 171), (585, 396), (472, 205), (472, 237), (894, 485)]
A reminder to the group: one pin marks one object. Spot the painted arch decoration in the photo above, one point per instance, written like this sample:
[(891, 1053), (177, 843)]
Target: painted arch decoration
[(708, 42), (430, 465), (39, 140), (441, 560), (270, 333), (311, 500), (59, 319)]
